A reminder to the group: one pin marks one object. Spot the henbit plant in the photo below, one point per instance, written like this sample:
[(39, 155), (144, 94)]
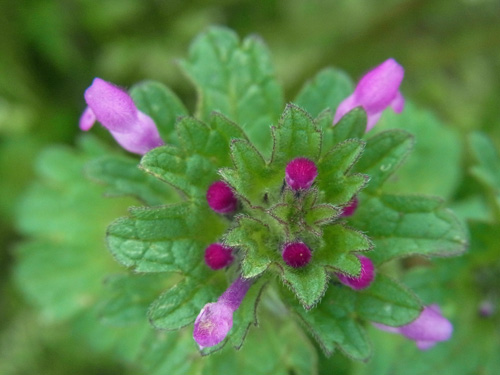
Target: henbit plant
[(264, 213)]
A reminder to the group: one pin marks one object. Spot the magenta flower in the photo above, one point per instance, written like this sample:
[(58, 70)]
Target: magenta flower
[(218, 256), (377, 90), (300, 173), (350, 209), (115, 110), (365, 277), (216, 319), (296, 254), (221, 198), (428, 329)]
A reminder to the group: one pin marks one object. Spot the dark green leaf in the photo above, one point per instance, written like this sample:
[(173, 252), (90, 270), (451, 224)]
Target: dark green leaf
[(406, 225), (383, 154), (164, 239)]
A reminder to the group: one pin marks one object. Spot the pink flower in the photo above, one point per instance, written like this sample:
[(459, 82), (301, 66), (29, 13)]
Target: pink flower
[(216, 319), (115, 110), (300, 173), (428, 329), (296, 254), (365, 277), (377, 90), (221, 198), (218, 256)]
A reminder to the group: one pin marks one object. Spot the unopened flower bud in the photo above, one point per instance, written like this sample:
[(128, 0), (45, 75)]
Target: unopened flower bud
[(350, 208), (365, 277), (221, 198), (296, 254), (218, 256), (300, 173)]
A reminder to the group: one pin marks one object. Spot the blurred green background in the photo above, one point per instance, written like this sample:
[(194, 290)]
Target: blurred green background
[(50, 50)]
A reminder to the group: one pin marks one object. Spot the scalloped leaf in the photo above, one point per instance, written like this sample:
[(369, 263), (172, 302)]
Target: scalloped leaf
[(164, 239), (406, 225), (308, 283), (236, 79), (296, 135), (383, 154), (122, 177)]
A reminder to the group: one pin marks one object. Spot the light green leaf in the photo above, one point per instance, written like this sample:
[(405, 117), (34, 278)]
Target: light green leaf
[(325, 91), (237, 80), (487, 168), (308, 283)]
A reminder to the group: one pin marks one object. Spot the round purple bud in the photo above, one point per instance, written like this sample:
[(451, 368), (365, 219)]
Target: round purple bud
[(296, 254), (218, 256), (300, 173), (365, 277), (350, 208), (221, 198)]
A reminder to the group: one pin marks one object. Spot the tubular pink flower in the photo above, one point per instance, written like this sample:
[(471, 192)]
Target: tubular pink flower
[(365, 277), (300, 173), (216, 319), (221, 198), (377, 90), (218, 256), (115, 110), (428, 329)]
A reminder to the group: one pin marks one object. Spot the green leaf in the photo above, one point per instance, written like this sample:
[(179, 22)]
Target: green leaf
[(435, 166), (333, 178), (236, 79), (351, 125), (254, 238), (251, 178), (295, 136), (383, 154), (339, 241), (326, 90), (211, 141), (308, 283), (121, 176), (487, 168), (161, 104), (129, 297), (333, 324), (192, 174), (180, 305), (164, 239), (387, 302), (407, 225)]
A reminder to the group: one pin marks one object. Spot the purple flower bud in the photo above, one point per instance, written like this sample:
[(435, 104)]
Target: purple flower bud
[(216, 319), (218, 256), (428, 329), (296, 254), (115, 110), (377, 90), (221, 198), (300, 173), (365, 277), (486, 308), (350, 208)]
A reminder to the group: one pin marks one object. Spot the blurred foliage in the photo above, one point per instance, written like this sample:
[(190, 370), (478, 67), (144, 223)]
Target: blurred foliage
[(51, 49)]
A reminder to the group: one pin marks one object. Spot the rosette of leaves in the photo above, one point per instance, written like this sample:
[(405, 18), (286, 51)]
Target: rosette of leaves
[(230, 138)]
